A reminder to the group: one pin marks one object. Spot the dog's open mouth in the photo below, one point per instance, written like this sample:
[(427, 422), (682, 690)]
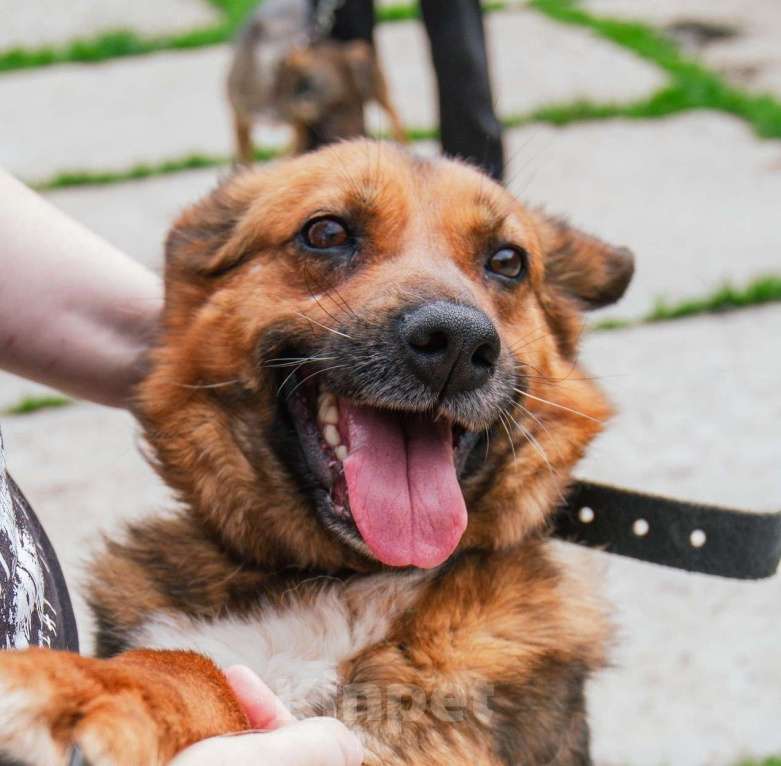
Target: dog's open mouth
[(386, 478)]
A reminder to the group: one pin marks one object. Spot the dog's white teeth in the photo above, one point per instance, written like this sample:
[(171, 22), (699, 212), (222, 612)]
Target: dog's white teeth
[(331, 436), (330, 415), (327, 408), (328, 421)]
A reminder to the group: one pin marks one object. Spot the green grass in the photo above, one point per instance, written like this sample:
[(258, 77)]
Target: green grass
[(32, 404), (763, 289), (71, 178), (111, 45), (692, 86), (772, 761)]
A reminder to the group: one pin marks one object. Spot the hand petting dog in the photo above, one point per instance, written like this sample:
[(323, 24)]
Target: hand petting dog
[(280, 739)]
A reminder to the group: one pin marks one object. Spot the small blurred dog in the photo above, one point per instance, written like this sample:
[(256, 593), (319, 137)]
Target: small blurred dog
[(283, 69)]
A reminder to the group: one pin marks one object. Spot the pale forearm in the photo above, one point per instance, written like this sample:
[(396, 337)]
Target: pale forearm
[(75, 313)]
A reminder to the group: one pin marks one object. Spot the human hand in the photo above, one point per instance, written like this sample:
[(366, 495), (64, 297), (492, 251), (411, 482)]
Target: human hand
[(283, 741)]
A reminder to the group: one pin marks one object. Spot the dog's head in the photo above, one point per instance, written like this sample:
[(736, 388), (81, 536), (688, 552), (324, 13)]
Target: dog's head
[(313, 83), (368, 357)]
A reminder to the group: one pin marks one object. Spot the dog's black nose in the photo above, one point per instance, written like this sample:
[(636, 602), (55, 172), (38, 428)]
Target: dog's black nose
[(449, 347)]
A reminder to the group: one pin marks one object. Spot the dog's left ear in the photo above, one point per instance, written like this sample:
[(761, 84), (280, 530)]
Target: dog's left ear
[(359, 58), (591, 271)]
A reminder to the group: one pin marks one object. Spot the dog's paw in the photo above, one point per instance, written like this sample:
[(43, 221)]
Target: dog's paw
[(58, 709)]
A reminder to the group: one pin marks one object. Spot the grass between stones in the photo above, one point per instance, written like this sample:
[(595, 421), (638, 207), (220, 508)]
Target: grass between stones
[(30, 404), (554, 114), (692, 85), (110, 45), (763, 289), (71, 178)]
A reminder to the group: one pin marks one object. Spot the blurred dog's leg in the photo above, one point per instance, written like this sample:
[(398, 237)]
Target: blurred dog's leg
[(383, 98), (243, 127)]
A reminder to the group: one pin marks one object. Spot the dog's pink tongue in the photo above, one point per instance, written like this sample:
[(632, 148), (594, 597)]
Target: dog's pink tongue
[(402, 485)]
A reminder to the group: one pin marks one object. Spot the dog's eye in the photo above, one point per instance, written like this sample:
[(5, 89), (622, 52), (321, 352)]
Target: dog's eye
[(326, 233), (305, 86), (508, 262)]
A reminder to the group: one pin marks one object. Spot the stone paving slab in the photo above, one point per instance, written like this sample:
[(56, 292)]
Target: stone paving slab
[(33, 23), (751, 58), (14, 390), (147, 109), (697, 671), (697, 676), (136, 216), (115, 114), (695, 196)]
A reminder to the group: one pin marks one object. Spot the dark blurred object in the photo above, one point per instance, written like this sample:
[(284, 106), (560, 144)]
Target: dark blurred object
[(694, 34), (469, 126), (283, 69)]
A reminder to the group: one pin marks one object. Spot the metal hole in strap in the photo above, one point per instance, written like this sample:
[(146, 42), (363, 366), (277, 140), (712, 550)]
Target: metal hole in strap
[(698, 538), (586, 515)]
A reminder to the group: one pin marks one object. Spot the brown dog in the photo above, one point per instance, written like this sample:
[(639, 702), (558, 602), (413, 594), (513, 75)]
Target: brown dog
[(366, 397), (318, 87)]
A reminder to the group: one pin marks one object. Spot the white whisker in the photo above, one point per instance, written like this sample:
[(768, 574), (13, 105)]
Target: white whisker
[(529, 436), (312, 375), (195, 386), (507, 431), (290, 375), (556, 404), (325, 327), (276, 364)]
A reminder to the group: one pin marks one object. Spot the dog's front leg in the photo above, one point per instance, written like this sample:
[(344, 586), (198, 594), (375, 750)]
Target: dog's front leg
[(141, 707)]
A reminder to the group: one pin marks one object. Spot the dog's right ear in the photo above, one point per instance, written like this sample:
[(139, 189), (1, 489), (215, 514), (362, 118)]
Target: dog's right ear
[(205, 241), (588, 270)]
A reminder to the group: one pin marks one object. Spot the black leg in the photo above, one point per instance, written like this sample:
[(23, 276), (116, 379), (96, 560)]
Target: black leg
[(353, 20), (468, 124)]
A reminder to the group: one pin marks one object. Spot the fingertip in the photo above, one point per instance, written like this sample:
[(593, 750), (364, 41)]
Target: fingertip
[(261, 706)]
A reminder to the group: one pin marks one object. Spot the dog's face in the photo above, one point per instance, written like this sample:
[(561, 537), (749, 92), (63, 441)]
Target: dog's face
[(368, 359), (311, 83)]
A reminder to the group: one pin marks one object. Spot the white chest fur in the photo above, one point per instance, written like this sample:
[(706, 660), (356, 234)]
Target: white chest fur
[(296, 649)]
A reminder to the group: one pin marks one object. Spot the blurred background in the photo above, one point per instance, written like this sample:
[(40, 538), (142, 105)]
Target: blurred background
[(656, 125)]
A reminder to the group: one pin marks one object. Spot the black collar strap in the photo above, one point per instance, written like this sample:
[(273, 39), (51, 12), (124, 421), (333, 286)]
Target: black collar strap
[(698, 538)]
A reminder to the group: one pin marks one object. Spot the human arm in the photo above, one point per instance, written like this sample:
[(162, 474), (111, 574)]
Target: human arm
[(75, 313)]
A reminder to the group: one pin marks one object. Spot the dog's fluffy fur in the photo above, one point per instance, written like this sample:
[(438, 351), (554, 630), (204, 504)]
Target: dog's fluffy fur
[(481, 660)]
